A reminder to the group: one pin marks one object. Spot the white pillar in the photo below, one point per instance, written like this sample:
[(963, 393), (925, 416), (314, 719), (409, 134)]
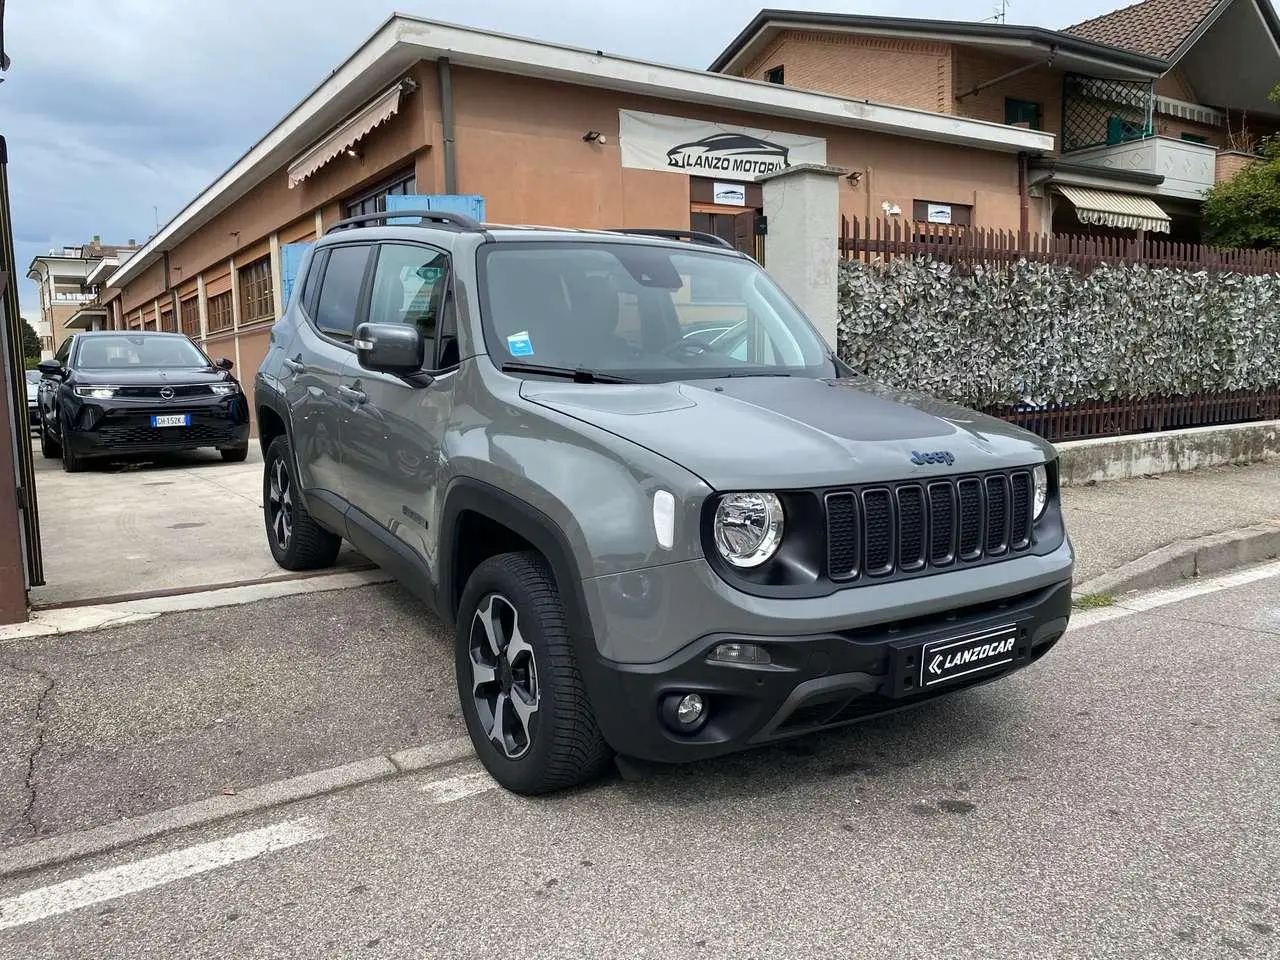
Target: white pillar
[(801, 247), (202, 307)]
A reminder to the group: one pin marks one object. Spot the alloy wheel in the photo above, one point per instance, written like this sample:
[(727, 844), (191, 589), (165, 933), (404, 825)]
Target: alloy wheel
[(504, 676), (280, 504)]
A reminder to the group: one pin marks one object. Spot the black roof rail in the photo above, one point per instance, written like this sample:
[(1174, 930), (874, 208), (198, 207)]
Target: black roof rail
[(693, 236), (442, 217)]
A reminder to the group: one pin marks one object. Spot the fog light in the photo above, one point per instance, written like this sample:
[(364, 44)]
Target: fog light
[(744, 653), (689, 710)]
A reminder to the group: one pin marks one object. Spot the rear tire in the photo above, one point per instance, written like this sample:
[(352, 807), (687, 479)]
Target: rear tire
[(526, 711), (235, 454), (297, 542)]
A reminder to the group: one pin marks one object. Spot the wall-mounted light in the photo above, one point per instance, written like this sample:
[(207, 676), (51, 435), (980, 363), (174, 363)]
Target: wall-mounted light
[(854, 178), (594, 136)]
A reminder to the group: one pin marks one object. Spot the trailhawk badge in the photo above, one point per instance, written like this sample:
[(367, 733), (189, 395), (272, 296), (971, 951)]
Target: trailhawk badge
[(945, 660), (729, 153)]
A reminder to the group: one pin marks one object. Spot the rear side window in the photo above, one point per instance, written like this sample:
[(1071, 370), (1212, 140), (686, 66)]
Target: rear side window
[(339, 301)]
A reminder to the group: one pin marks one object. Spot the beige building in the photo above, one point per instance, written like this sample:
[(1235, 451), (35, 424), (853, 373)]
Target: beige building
[(67, 280), (1149, 105), (520, 131)]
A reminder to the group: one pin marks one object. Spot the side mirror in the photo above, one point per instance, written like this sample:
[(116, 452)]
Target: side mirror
[(49, 368), (224, 364), (395, 348)]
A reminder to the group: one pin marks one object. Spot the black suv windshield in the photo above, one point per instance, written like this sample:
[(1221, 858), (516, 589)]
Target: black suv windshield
[(138, 350), (642, 312)]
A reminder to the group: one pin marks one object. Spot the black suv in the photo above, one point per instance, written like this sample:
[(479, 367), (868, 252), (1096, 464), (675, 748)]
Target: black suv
[(124, 393)]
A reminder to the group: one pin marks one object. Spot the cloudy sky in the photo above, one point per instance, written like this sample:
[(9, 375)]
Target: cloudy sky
[(117, 114)]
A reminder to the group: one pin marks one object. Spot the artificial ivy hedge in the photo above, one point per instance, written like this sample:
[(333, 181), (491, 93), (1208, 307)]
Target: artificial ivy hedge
[(1040, 333)]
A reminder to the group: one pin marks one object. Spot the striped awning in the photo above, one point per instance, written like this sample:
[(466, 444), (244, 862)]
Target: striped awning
[(350, 132), (1120, 210)]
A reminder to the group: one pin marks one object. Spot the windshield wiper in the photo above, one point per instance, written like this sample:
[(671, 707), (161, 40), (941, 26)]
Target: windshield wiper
[(576, 374)]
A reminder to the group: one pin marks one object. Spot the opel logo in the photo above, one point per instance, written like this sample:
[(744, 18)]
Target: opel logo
[(166, 393)]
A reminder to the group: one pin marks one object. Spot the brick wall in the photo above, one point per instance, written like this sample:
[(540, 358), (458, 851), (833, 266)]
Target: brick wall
[(899, 72), (1041, 85), (1230, 163)]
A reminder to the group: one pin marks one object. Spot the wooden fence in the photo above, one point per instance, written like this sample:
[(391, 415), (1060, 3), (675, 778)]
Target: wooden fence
[(882, 238)]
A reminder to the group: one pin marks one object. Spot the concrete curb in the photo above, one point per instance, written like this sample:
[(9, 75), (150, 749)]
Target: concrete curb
[(1202, 557), (83, 619), (42, 854), (1170, 451)]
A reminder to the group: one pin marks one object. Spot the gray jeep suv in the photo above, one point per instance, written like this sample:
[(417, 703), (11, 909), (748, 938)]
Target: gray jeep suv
[(664, 521)]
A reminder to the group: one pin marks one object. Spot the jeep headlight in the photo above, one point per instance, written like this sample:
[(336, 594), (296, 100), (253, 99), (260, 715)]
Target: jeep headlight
[(1039, 490), (222, 389), (96, 393), (748, 528)]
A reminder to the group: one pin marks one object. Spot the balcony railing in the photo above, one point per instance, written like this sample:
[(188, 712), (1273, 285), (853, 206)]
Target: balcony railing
[(74, 297), (1188, 168)]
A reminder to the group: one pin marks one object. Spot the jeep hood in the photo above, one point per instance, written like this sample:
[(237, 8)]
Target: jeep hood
[(779, 432)]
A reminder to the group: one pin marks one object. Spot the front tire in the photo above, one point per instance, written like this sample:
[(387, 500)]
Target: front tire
[(522, 694), (297, 542), (49, 448), (71, 463)]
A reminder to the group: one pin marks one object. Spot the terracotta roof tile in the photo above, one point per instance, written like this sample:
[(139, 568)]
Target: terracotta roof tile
[(1154, 27)]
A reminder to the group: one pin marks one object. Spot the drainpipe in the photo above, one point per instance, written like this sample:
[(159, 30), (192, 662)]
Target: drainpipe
[(1024, 200), (446, 122)]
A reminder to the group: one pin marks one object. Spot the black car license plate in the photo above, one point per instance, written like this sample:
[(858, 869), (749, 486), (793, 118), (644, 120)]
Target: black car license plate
[(951, 659)]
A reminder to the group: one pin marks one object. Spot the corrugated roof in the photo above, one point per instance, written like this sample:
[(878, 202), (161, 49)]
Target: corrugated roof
[(1156, 28)]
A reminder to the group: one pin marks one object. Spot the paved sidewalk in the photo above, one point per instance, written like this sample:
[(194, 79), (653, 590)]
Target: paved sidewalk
[(1114, 523), (183, 522)]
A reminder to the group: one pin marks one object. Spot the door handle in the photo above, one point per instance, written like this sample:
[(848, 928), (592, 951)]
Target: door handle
[(355, 396), (295, 366)]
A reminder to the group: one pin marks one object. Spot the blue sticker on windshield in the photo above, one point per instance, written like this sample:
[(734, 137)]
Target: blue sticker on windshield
[(519, 344)]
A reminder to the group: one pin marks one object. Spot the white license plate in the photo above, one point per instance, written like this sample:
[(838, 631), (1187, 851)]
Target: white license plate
[(171, 420), (945, 660)]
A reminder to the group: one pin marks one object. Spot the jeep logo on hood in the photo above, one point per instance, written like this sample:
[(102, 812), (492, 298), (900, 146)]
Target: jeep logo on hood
[(729, 153), (932, 456)]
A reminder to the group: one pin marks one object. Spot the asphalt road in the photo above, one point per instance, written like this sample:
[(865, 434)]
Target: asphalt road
[(1117, 800), (99, 726)]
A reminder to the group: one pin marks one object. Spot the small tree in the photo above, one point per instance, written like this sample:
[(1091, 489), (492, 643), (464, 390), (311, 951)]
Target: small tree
[(30, 341), (1245, 210)]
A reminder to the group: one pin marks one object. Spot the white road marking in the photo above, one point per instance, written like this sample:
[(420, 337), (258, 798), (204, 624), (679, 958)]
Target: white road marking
[(458, 788), (1143, 602), (155, 871)]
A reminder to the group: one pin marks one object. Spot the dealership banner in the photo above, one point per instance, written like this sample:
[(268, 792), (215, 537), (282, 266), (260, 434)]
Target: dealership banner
[(650, 141)]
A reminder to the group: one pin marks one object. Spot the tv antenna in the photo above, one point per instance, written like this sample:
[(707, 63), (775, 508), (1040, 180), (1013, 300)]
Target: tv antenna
[(1001, 14)]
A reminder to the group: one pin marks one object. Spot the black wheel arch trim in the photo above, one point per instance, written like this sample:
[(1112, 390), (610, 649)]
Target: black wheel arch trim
[(266, 395), (531, 524)]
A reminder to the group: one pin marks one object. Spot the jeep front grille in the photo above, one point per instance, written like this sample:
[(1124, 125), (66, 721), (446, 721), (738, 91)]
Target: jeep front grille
[(908, 529)]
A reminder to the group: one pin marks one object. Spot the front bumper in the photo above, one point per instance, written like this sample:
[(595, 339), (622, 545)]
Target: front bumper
[(814, 682), (105, 428)]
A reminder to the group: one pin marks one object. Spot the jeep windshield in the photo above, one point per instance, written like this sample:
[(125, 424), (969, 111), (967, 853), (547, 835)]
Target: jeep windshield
[(640, 312)]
